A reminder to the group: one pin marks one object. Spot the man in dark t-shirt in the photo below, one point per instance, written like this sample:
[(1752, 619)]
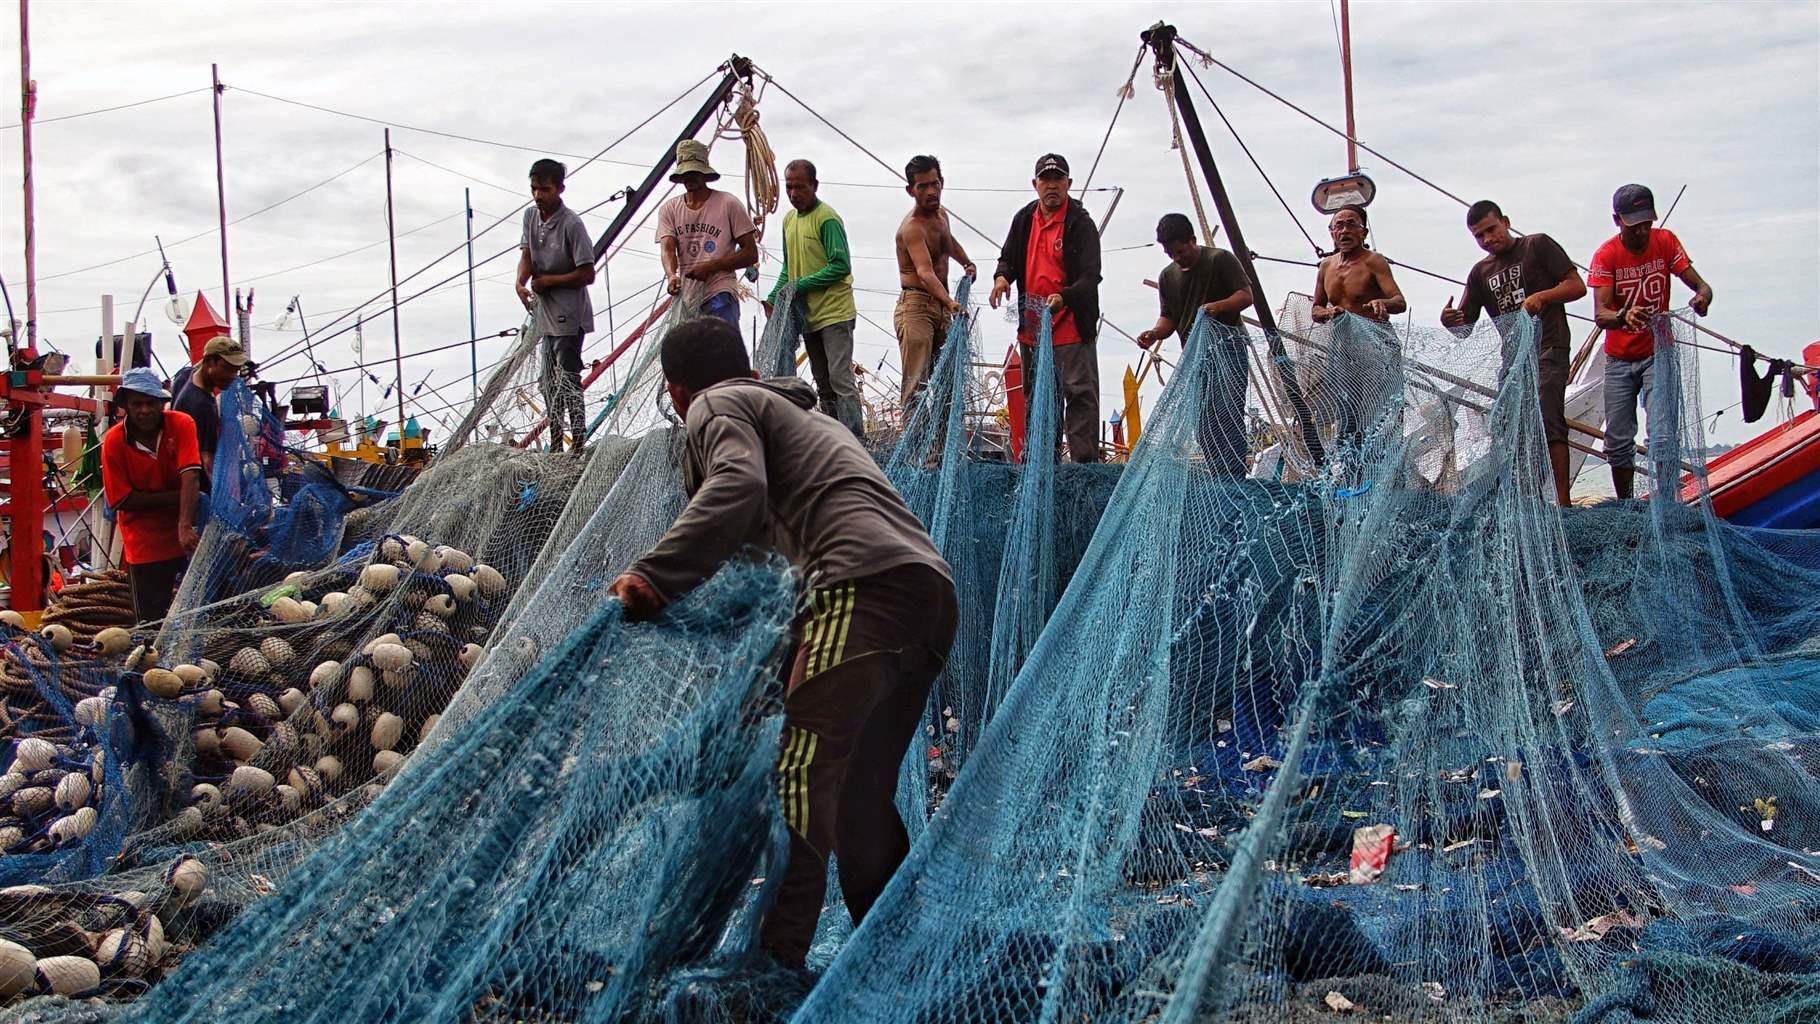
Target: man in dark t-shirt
[(1534, 275), (1201, 279), (222, 360)]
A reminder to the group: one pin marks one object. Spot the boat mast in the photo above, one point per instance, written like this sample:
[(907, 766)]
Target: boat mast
[(1352, 147), (391, 238), (227, 294), (27, 100)]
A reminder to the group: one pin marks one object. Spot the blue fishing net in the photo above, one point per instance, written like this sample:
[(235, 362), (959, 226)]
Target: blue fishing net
[(1381, 732)]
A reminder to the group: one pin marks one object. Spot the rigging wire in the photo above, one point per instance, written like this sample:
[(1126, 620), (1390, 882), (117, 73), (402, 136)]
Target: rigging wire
[(894, 172), (517, 192), (1297, 221), (36, 121), (1125, 93), (599, 156), (1213, 61), (214, 230)]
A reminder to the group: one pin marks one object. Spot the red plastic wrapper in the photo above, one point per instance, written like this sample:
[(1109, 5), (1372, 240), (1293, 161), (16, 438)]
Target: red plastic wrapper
[(1371, 849)]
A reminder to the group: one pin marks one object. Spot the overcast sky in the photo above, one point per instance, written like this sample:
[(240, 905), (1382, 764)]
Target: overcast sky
[(1544, 107)]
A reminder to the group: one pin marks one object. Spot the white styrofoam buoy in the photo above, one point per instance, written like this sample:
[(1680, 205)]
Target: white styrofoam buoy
[(74, 791), (490, 581), (67, 975), (59, 635), (18, 969), (186, 879), (72, 827), (380, 577), (162, 682), (114, 641), (33, 754), (289, 610), (248, 779), (387, 729), (462, 586), (240, 744), (360, 683), (392, 657)]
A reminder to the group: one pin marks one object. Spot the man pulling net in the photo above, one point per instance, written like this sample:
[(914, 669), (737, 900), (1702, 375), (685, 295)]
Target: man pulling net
[(761, 466)]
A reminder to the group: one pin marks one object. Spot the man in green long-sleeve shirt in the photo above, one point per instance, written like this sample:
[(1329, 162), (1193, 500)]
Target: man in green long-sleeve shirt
[(817, 262)]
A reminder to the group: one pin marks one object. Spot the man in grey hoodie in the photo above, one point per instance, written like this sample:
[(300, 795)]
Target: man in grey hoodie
[(764, 469)]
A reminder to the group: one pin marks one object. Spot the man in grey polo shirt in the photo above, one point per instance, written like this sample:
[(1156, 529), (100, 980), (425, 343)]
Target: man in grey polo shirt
[(555, 268)]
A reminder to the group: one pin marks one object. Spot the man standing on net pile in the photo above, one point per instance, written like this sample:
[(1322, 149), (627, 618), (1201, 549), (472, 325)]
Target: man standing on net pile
[(151, 474), (555, 268), (222, 361), (925, 244), (817, 262), (1531, 274), (1201, 279), (706, 236), (1629, 277), (1052, 254), (1363, 368), (761, 466)]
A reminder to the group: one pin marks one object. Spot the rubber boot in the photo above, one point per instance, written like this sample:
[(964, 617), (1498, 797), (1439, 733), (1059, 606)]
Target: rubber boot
[(1621, 477)]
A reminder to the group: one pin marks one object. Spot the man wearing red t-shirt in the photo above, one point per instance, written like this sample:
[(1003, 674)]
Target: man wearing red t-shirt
[(1629, 278), (152, 474), (1052, 254)]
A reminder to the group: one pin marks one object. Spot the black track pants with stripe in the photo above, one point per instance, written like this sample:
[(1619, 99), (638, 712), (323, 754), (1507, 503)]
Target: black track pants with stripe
[(870, 650)]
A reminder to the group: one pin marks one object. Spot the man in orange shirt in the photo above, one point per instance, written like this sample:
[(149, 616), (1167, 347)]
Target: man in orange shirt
[(151, 472)]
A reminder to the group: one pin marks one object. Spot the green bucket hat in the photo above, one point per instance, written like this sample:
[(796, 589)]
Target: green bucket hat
[(693, 156)]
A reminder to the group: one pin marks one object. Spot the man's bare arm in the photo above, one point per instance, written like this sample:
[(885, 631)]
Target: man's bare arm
[(1703, 292), (190, 490), (915, 241), (1321, 313), (524, 277), (667, 251), (959, 255), (1391, 296)]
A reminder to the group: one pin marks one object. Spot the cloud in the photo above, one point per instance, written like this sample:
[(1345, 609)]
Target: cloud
[(1546, 107)]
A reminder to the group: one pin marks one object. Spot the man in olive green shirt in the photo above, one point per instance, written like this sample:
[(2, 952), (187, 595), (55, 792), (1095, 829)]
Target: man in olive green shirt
[(817, 262)]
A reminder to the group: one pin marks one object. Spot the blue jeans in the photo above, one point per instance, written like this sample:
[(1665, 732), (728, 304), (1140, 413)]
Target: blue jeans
[(724, 305), (1627, 382)]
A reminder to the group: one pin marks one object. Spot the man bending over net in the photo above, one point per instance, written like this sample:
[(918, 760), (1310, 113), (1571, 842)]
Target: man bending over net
[(761, 467)]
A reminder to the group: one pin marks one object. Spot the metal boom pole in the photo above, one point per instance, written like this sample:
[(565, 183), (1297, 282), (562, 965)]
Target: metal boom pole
[(391, 239), (227, 296), (467, 203), (736, 68), (1161, 39)]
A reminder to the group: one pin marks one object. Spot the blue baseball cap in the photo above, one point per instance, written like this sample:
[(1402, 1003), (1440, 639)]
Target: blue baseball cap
[(142, 381), (1634, 204)]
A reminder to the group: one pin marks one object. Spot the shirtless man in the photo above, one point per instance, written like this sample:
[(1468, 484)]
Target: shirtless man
[(1354, 279), (924, 245), (1362, 366)]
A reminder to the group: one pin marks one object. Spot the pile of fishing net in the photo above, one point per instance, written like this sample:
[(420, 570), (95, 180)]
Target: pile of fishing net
[(1384, 733)]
